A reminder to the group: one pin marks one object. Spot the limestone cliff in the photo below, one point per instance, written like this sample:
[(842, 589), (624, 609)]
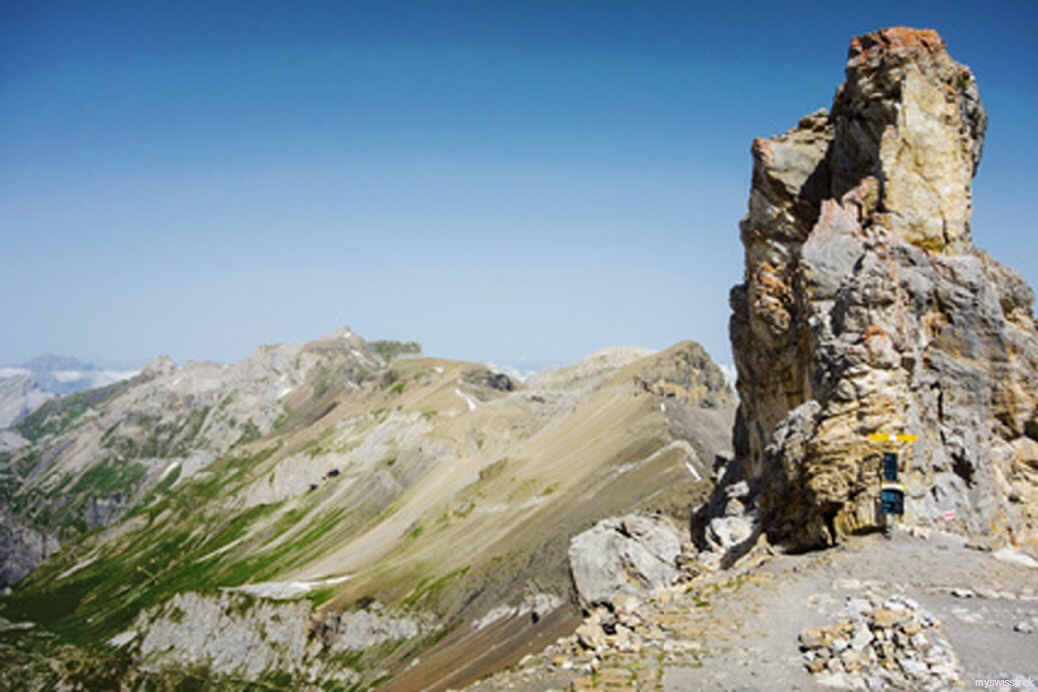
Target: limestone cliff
[(865, 308)]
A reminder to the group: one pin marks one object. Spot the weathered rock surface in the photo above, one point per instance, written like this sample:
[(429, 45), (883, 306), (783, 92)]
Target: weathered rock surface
[(866, 309), (22, 548), (11, 440), (358, 630), (688, 375), (233, 634), (632, 555), (230, 633), (536, 606)]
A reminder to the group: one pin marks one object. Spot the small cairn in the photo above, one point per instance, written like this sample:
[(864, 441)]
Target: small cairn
[(881, 645)]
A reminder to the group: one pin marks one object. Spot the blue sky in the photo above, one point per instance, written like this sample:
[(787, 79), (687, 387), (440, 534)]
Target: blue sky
[(516, 182)]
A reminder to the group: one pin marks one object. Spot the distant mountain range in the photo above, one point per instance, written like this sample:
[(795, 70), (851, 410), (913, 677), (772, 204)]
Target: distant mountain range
[(24, 388), (339, 513)]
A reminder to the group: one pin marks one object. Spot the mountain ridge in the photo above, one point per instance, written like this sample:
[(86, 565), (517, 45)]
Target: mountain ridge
[(26, 387), (329, 473)]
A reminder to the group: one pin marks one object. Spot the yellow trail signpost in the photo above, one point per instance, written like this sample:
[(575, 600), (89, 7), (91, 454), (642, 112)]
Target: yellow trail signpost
[(892, 493), (891, 437)]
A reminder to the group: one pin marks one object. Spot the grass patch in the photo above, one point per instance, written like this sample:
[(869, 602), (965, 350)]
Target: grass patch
[(162, 487), (425, 593), (492, 471), (250, 432), (391, 350), (111, 475), (283, 418), (319, 597), (147, 569)]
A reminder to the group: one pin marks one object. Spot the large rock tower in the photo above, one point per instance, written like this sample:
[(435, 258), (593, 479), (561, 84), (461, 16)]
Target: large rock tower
[(865, 308)]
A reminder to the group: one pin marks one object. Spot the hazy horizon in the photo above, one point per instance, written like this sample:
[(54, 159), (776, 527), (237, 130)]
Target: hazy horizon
[(522, 183)]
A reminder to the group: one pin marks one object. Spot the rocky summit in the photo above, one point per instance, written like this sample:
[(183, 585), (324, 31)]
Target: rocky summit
[(866, 310)]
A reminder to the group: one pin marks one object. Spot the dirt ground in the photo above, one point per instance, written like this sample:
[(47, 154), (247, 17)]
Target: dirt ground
[(738, 630)]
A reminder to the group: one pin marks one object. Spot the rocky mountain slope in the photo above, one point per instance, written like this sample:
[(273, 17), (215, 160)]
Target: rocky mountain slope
[(327, 514)]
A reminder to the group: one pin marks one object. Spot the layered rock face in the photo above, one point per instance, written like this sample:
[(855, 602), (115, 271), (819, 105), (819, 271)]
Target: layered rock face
[(865, 308), (237, 635)]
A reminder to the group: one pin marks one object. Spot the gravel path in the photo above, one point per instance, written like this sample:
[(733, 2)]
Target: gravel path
[(739, 630)]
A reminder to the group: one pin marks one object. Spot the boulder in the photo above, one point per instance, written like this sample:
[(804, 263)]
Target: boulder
[(631, 555)]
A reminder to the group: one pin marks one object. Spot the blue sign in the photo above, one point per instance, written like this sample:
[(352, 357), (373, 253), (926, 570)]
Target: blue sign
[(892, 498), (890, 466)]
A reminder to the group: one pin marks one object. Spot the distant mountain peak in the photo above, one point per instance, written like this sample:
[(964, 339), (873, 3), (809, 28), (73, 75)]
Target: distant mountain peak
[(49, 362)]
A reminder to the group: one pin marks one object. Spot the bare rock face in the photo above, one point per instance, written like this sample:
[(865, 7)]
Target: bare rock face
[(22, 547), (237, 635), (624, 556), (18, 395), (866, 309)]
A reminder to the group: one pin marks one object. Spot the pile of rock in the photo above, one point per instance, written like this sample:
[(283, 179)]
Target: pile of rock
[(628, 572), (883, 644), (660, 627), (621, 628)]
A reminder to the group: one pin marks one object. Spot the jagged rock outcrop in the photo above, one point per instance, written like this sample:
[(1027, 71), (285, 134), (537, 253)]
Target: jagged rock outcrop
[(865, 308), (232, 634), (362, 629), (686, 373)]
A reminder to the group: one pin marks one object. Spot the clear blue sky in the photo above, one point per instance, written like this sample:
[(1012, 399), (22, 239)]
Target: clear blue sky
[(515, 182)]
